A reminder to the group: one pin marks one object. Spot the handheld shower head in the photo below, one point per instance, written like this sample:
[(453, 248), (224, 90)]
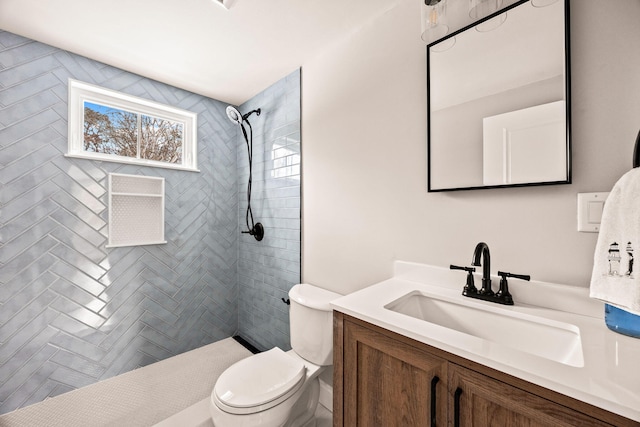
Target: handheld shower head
[(236, 117)]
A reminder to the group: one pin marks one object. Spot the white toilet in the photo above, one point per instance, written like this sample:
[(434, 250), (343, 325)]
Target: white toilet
[(277, 388)]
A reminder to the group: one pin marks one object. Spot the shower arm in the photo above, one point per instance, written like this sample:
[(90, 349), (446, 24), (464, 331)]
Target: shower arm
[(246, 116)]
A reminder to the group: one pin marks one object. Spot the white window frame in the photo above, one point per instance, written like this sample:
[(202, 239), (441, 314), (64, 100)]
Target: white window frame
[(80, 92)]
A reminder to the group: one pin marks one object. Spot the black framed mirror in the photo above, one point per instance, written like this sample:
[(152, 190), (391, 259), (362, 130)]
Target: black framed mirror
[(499, 101)]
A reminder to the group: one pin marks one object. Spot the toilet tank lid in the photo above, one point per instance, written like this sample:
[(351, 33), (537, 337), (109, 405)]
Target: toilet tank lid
[(312, 296)]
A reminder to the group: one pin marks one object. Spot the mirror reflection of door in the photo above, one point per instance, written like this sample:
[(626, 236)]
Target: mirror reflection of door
[(498, 102), (525, 146)]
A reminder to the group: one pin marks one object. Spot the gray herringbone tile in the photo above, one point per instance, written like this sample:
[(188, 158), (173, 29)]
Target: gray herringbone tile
[(74, 312)]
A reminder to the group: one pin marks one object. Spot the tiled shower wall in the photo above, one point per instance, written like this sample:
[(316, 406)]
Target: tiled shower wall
[(71, 311), (269, 268)]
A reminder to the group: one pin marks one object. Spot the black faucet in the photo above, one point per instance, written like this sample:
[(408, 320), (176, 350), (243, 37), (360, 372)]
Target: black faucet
[(486, 293), (482, 249)]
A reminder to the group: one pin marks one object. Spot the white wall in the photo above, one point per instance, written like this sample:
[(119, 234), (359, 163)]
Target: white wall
[(365, 202)]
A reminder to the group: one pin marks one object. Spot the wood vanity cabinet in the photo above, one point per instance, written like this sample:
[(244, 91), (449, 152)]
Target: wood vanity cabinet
[(386, 382), (385, 379)]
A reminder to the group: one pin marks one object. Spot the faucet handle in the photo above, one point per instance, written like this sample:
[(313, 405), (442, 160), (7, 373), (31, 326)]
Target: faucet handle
[(515, 276), (457, 267), (470, 287), (503, 293)]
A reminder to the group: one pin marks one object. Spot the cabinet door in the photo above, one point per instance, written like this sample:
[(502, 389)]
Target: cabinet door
[(477, 400), (390, 383)]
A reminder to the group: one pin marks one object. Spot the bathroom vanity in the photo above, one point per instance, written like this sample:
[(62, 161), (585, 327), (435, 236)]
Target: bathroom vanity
[(412, 351)]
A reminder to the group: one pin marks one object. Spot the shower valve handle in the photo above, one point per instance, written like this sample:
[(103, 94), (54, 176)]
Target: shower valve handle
[(257, 231)]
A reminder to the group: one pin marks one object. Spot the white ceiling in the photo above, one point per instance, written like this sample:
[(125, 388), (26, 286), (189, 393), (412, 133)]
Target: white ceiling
[(229, 55)]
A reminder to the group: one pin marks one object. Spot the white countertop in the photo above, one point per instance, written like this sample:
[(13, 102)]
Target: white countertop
[(610, 377)]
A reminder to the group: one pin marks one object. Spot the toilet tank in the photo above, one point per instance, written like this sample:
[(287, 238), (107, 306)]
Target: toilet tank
[(311, 323)]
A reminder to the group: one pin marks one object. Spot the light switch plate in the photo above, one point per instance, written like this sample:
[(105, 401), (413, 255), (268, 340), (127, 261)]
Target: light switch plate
[(590, 206)]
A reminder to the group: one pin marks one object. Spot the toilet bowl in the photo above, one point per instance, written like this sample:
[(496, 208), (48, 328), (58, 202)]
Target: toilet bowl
[(277, 388)]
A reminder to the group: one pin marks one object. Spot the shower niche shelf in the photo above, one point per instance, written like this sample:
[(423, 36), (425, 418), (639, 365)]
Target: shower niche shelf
[(136, 210)]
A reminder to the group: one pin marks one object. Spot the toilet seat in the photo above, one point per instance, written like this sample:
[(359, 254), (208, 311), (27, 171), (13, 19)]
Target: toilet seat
[(259, 382)]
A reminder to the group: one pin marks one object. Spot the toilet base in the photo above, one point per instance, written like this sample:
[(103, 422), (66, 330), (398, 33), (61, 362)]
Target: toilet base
[(303, 412)]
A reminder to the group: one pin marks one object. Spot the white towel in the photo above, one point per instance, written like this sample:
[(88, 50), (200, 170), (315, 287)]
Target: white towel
[(616, 278)]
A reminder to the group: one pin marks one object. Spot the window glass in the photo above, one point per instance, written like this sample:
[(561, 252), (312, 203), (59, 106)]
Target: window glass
[(112, 126), (161, 140), (109, 130)]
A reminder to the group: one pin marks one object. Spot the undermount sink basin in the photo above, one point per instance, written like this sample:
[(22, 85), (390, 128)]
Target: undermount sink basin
[(538, 336)]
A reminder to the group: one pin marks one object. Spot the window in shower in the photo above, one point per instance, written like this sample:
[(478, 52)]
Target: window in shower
[(113, 126)]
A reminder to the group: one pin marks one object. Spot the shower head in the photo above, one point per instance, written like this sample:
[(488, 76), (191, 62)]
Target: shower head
[(237, 118), (234, 115)]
